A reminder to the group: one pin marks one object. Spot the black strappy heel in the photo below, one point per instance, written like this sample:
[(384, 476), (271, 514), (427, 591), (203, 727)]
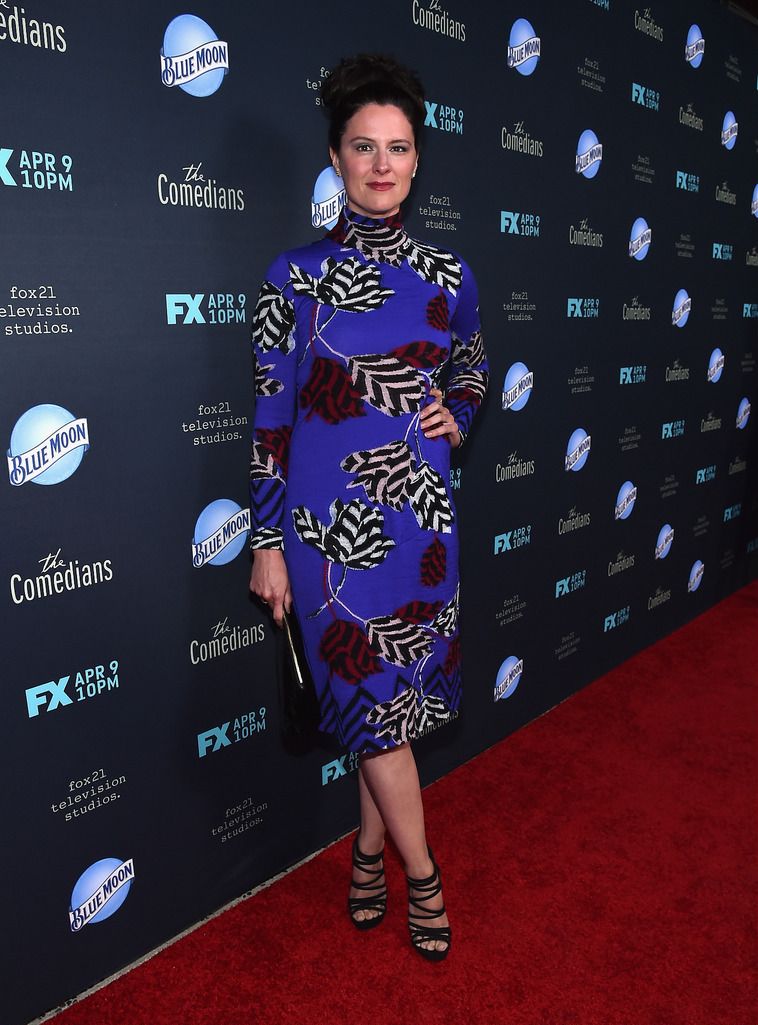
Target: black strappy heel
[(430, 886), (376, 898)]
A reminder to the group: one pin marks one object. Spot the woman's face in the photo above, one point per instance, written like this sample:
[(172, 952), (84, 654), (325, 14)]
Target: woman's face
[(377, 159)]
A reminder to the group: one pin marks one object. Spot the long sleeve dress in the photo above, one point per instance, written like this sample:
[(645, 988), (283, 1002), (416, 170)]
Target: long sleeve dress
[(349, 335)]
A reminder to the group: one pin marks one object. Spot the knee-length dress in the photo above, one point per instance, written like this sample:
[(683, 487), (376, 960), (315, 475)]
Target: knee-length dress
[(349, 335)]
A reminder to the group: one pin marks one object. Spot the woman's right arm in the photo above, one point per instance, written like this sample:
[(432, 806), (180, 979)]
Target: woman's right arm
[(274, 361)]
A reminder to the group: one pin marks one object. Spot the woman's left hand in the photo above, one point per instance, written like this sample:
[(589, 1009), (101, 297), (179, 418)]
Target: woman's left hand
[(437, 420)]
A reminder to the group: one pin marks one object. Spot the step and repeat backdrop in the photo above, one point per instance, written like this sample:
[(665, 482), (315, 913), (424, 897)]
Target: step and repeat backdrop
[(594, 162)]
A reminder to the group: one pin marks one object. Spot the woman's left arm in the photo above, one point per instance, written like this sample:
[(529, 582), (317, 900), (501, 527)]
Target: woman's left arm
[(469, 375)]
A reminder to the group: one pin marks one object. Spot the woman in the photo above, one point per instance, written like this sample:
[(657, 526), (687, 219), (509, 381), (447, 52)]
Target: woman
[(352, 519)]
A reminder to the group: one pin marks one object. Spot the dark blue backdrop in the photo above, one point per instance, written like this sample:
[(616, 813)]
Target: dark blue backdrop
[(146, 782)]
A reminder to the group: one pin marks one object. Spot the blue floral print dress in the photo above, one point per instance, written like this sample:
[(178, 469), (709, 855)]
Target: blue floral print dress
[(349, 335)]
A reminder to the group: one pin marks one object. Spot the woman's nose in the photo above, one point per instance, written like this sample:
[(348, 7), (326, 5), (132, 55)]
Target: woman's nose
[(381, 161)]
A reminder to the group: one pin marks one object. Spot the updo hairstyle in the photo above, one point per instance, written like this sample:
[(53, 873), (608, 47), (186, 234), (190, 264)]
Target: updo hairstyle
[(371, 78)]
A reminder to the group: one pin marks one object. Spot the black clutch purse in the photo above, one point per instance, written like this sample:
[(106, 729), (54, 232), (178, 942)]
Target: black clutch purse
[(300, 712)]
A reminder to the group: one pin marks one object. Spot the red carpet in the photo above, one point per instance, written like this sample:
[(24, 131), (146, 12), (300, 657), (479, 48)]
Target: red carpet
[(599, 869)]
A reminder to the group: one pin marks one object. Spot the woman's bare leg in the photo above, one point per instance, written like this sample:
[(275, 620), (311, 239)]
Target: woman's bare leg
[(370, 841), (394, 793)]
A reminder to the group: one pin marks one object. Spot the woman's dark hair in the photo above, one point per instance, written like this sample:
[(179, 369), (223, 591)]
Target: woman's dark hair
[(371, 78)]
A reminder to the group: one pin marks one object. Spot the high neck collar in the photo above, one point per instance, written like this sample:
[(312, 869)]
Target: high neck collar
[(352, 216), (378, 238)]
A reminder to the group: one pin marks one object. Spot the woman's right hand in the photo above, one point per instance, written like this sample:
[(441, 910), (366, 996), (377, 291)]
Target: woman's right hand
[(270, 581)]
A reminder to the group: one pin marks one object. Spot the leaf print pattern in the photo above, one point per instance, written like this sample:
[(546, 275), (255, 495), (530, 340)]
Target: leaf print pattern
[(354, 537), (420, 354), (470, 352), (433, 564), (434, 265), (383, 472), (390, 243), (453, 657), (276, 441), (468, 383), (429, 501), (310, 529), (469, 386), (261, 463), (446, 621), (465, 396), (345, 648), (273, 320), (387, 383), (405, 717), (438, 312), (330, 394), (419, 611), (397, 640), (346, 285), (265, 385)]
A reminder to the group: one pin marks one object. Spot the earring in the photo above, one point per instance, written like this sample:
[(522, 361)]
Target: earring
[(337, 172)]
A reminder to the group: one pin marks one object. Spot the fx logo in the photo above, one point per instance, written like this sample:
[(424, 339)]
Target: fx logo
[(431, 120), (336, 769), (503, 542), (333, 770), (674, 429), (178, 303), (561, 587), (214, 739), (36, 696), (5, 176), (616, 619), (625, 375), (638, 93), (509, 222)]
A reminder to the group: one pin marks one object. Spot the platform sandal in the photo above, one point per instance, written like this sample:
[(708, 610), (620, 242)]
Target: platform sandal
[(430, 887), (376, 897)]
